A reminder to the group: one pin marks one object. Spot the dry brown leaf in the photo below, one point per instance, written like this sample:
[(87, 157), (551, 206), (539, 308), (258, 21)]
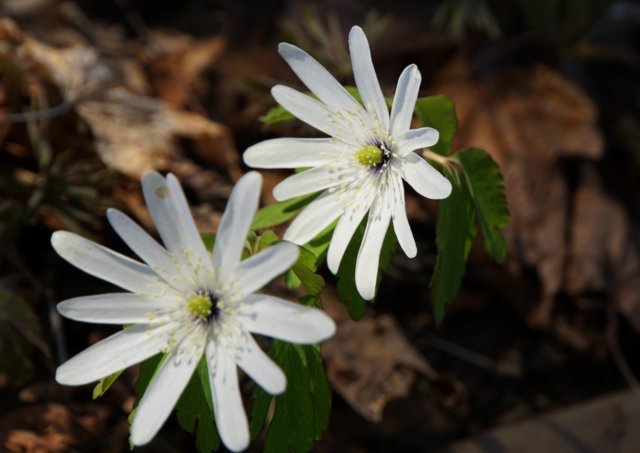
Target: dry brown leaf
[(176, 62), (528, 119), (605, 424), (603, 256), (52, 427), (370, 362), (133, 133)]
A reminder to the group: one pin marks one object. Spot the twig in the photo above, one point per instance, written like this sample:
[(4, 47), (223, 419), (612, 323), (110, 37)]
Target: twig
[(455, 350), (40, 115), (89, 91)]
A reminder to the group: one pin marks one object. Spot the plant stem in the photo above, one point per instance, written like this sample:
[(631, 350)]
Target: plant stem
[(442, 160)]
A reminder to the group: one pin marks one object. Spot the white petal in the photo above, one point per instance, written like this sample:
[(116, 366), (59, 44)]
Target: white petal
[(258, 270), (404, 100), (424, 179), (414, 139), (166, 387), (140, 242), (320, 81), (347, 225), (116, 308), (259, 366), (317, 115), (369, 253), (231, 419), (317, 216), (292, 153), (236, 221), (106, 264), (114, 353), (170, 211), (401, 223), (278, 318), (309, 181), (366, 79)]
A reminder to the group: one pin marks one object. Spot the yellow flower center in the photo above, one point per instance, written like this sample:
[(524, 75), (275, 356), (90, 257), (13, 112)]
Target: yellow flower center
[(369, 156), (199, 306)]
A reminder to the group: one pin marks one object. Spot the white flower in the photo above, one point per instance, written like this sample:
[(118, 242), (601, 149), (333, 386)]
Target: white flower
[(187, 302), (361, 168)]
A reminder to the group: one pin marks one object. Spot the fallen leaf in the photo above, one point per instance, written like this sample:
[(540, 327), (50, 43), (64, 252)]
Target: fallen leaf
[(607, 423), (529, 119), (52, 427), (133, 132), (177, 61), (603, 256), (370, 362)]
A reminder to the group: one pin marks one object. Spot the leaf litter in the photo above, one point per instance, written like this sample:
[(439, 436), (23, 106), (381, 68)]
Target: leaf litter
[(575, 235)]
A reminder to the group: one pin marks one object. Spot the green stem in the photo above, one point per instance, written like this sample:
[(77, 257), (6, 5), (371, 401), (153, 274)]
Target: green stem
[(435, 157)]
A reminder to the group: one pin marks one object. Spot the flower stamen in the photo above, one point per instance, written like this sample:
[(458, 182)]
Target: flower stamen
[(203, 305), (369, 156)]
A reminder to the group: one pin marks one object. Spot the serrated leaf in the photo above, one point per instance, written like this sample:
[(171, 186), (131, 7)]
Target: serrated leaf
[(194, 410), (346, 287), (103, 384), (455, 232), (301, 413), (278, 213), (439, 113), (486, 187)]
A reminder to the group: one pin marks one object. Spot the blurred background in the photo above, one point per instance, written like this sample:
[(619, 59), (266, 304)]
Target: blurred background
[(539, 354)]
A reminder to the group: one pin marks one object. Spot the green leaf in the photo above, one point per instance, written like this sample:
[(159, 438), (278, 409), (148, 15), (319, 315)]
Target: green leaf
[(194, 410), (486, 187), (276, 115), (311, 300), (146, 372), (266, 239), (278, 213), (209, 240), (303, 273), (439, 113), (320, 244), (103, 384), (259, 410), (313, 283), (346, 287), (455, 232), (301, 413)]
